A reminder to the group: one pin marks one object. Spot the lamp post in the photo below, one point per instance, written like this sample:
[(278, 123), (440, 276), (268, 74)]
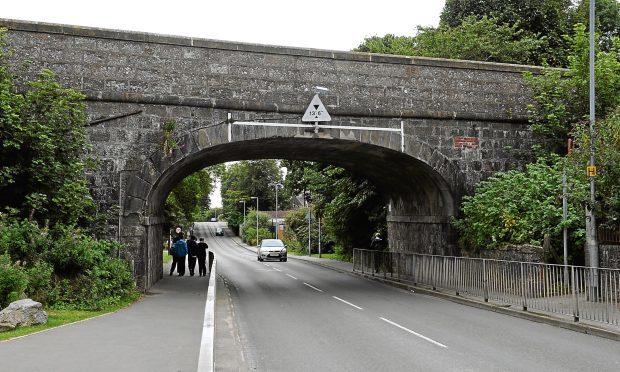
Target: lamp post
[(277, 185), (256, 197), (591, 242)]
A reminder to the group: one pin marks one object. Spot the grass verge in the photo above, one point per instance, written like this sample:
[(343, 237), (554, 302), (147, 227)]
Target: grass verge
[(167, 257), (61, 317), (329, 256)]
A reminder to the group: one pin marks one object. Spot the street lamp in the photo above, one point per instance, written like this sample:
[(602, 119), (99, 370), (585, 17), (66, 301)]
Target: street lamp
[(277, 185), (256, 197)]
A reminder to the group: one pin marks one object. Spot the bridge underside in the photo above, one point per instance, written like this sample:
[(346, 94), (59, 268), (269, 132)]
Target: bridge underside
[(420, 200)]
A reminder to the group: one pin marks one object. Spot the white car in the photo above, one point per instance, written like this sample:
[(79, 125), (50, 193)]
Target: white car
[(219, 231), (272, 249)]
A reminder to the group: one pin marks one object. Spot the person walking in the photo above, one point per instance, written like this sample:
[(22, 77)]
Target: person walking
[(202, 257), (179, 235), (192, 251), (179, 250)]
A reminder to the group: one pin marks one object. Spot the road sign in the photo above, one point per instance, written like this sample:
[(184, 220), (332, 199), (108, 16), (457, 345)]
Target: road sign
[(316, 111), (591, 170)]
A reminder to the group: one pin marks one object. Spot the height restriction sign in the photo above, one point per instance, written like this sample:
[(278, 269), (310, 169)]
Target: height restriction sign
[(316, 111)]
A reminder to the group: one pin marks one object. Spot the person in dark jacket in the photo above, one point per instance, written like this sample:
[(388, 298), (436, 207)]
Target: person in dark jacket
[(192, 251), (202, 257), (179, 250)]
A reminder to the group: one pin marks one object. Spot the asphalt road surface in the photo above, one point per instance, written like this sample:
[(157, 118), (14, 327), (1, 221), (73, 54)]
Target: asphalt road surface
[(295, 316)]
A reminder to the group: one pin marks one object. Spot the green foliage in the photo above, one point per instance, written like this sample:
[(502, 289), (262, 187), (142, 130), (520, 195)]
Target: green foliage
[(520, 208), (562, 100), (189, 198), (545, 20), (13, 281), (607, 142), (245, 179), (64, 267), (42, 144), (249, 230), (607, 20), (350, 206)]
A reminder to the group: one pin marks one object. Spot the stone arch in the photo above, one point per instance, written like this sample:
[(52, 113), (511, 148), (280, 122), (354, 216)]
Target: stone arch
[(421, 185)]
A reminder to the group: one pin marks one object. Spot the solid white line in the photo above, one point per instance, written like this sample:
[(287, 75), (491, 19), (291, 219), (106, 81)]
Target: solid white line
[(290, 276), (313, 287), (347, 302), (207, 346), (412, 332)]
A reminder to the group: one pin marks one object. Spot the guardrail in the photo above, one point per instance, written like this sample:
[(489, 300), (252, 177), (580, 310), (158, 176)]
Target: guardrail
[(206, 360), (581, 292)]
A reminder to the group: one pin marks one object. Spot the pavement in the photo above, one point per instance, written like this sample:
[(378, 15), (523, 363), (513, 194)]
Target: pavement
[(160, 332), (604, 330)]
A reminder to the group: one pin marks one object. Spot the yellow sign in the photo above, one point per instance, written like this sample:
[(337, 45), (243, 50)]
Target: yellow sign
[(591, 170)]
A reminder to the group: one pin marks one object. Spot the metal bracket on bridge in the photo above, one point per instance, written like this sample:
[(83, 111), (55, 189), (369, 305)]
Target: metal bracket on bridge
[(315, 127)]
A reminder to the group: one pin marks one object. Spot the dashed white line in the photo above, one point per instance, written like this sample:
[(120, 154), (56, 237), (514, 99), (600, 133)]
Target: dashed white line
[(313, 287), (290, 276), (276, 269), (347, 302), (413, 333)]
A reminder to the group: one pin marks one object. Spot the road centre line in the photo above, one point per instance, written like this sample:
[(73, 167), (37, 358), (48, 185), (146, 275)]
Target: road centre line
[(347, 302), (290, 276), (273, 267), (413, 333), (313, 287)]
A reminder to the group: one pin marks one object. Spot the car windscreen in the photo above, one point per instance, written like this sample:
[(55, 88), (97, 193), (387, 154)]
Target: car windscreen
[(272, 243)]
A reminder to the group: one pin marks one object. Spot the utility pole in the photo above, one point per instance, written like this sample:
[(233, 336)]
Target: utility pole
[(591, 242)]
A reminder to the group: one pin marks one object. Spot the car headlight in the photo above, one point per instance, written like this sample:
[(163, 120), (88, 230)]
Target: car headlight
[(283, 250)]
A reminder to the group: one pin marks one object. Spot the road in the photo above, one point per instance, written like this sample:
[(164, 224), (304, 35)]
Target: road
[(295, 316)]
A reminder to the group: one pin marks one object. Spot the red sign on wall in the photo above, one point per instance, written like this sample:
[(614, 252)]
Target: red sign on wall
[(461, 142)]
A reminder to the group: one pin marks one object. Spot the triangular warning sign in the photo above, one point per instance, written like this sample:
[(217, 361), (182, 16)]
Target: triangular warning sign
[(316, 111)]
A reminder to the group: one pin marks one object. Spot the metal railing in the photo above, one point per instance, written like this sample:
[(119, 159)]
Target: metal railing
[(581, 292)]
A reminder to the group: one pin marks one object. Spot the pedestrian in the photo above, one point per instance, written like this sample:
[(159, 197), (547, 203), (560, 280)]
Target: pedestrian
[(376, 243), (179, 249), (192, 251), (179, 235), (202, 257)]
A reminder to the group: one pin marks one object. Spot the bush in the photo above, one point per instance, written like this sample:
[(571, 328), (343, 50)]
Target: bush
[(60, 267), (13, 281), (40, 282)]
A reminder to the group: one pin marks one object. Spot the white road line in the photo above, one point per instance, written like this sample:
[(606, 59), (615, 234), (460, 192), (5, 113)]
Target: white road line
[(276, 269), (313, 287), (413, 333), (290, 276), (347, 302)]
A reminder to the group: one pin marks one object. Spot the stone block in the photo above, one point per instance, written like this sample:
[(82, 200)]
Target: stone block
[(22, 313)]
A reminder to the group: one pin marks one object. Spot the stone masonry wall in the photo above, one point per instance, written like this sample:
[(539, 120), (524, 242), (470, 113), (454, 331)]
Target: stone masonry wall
[(463, 120)]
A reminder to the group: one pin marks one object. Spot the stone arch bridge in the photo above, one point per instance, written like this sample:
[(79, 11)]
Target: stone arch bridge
[(462, 121)]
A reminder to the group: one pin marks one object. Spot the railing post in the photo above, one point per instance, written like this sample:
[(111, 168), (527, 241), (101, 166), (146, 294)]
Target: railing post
[(372, 262), (433, 272), (575, 299), (523, 294), (485, 281), (455, 277), (398, 266)]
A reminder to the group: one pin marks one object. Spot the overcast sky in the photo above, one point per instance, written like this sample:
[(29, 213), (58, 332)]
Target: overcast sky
[(322, 24)]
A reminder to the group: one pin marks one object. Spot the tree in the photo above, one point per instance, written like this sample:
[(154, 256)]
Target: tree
[(561, 100), (245, 179), (186, 200), (546, 20), (521, 208), (350, 205), (607, 20), (42, 148), (607, 142)]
